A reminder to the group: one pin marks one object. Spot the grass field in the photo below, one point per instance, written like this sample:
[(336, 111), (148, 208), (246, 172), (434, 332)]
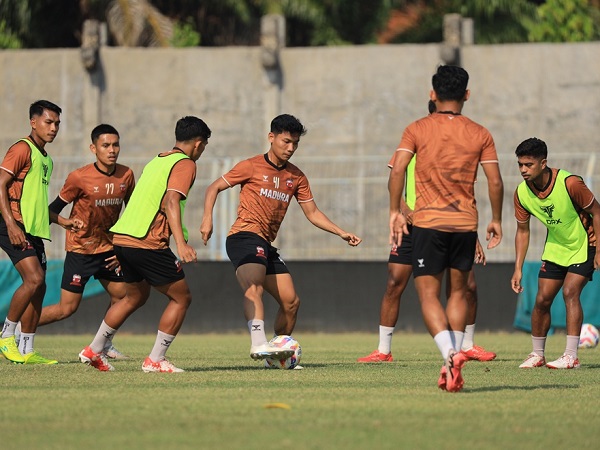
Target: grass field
[(221, 401)]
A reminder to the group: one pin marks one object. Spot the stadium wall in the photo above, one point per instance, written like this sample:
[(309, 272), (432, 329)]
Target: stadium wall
[(335, 297)]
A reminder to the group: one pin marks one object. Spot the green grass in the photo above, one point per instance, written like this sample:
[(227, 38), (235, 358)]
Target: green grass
[(336, 403)]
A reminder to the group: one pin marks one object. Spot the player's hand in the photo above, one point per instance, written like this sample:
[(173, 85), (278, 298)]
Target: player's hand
[(206, 230), (479, 254), (515, 282), (398, 227), (187, 253), (351, 239), (494, 234), (73, 224), (112, 264), (16, 236)]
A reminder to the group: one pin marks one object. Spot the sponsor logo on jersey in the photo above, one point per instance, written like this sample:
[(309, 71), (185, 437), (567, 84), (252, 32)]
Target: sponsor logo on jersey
[(108, 202), (260, 251), (275, 195), (76, 281)]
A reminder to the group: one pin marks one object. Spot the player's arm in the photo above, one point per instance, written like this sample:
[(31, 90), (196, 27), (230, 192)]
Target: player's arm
[(320, 220), (521, 247), (15, 234), (496, 195), (172, 210), (210, 198), (396, 182), (594, 211), (68, 224)]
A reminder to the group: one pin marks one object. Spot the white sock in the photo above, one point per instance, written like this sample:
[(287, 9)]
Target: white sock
[(539, 344), (457, 339), (572, 345), (468, 338), (161, 345), (103, 335), (8, 329), (257, 332), (26, 343), (385, 339), (443, 340)]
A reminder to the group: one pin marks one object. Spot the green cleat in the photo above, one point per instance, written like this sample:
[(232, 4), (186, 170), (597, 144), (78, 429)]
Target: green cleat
[(36, 358), (9, 349)]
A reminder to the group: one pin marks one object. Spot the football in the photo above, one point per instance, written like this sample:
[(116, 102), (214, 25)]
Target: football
[(286, 342), (589, 336)]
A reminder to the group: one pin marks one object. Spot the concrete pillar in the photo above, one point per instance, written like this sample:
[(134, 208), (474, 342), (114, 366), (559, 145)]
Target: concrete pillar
[(450, 50), (272, 40)]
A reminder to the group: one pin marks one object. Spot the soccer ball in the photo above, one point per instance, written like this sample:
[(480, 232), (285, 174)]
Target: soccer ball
[(589, 336), (286, 342)]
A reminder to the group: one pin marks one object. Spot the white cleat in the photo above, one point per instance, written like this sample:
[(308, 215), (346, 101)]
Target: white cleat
[(269, 351)]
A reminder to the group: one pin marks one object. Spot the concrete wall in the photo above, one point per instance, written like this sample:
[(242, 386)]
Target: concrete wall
[(335, 297), (354, 100)]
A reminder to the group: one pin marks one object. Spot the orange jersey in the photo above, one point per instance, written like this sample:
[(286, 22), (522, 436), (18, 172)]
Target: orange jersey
[(181, 179), (449, 149), (581, 198), (265, 194), (97, 200), (17, 162)]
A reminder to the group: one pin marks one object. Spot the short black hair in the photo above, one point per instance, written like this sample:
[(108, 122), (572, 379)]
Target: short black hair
[(190, 127), (101, 129), (37, 108), (533, 147), (287, 123), (450, 83)]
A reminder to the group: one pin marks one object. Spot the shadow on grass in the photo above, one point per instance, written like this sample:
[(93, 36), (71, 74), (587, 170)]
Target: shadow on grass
[(521, 388)]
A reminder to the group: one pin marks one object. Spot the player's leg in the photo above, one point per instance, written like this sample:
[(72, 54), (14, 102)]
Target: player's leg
[(251, 278), (66, 306), (179, 296), (250, 255), (540, 316), (33, 273), (281, 287), (473, 352), (117, 290), (77, 270), (398, 276), (575, 280), (135, 264)]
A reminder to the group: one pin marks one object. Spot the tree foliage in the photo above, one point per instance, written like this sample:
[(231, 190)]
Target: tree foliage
[(565, 21), (58, 23)]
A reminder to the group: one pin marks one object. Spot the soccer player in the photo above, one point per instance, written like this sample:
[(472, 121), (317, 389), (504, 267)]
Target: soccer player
[(98, 192), (141, 242), (400, 270), (24, 223), (448, 148), (571, 213), (268, 184)]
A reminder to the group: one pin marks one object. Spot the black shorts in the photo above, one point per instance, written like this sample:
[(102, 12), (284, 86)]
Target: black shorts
[(157, 267), (244, 248), (34, 247), (434, 251), (553, 271), (78, 269), (402, 254)]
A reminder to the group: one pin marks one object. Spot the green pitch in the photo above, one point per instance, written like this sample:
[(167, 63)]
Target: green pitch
[(221, 401)]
